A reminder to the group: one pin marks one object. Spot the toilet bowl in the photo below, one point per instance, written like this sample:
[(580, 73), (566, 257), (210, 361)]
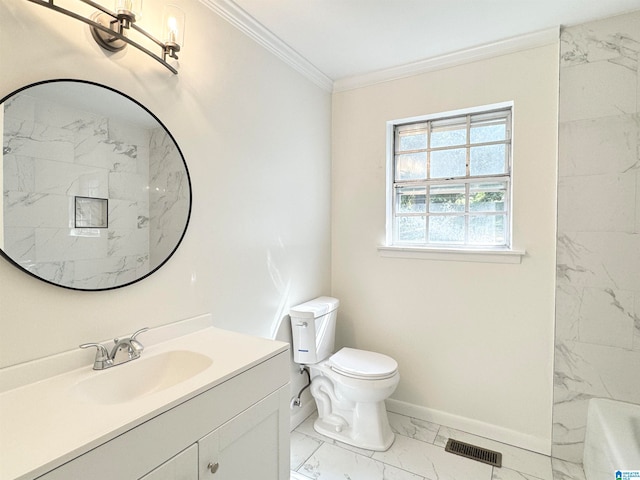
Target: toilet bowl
[(350, 401), (350, 386)]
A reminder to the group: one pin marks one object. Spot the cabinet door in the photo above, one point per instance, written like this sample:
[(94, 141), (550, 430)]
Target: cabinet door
[(250, 445), (183, 466)]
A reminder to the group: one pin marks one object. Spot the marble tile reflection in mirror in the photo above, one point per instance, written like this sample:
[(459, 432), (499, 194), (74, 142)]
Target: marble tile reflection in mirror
[(67, 139)]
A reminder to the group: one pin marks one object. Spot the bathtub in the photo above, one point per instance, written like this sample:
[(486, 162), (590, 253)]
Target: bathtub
[(612, 441)]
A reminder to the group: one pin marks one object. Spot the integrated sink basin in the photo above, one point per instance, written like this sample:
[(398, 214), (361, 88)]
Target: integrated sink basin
[(57, 411), (141, 377)]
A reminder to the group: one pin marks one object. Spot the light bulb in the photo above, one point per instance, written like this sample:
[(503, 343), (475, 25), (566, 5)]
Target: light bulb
[(172, 26)]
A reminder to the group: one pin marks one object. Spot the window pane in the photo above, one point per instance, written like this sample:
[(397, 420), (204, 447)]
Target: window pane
[(452, 180), (411, 229), (446, 229), (446, 198), (411, 199), (412, 141), (488, 160), (489, 131), (449, 163), (448, 135), (487, 197), (411, 167), (487, 229)]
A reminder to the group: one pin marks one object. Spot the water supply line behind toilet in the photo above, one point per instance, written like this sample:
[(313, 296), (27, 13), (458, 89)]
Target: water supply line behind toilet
[(296, 401)]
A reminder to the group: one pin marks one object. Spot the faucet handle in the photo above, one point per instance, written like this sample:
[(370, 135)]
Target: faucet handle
[(138, 332), (133, 336), (135, 344), (102, 355), (102, 350)]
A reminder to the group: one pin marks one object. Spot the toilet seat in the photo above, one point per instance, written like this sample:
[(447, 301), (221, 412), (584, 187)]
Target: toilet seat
[(362, 364)]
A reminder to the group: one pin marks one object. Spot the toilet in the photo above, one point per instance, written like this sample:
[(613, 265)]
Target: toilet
[(349, 386)]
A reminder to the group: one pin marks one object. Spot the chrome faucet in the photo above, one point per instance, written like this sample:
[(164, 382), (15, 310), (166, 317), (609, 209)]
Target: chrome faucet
[(124, 350)]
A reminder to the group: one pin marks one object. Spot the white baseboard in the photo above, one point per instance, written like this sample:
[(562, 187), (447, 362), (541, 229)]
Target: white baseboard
[(476, 427)]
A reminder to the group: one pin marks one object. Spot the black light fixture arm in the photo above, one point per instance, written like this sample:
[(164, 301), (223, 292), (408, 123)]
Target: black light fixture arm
[(167, 49)]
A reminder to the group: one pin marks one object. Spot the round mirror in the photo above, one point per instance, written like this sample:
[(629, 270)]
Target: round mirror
[(96, 192)]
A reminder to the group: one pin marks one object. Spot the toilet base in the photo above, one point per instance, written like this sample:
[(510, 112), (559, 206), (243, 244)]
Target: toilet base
[(352, 410), (369, 429)]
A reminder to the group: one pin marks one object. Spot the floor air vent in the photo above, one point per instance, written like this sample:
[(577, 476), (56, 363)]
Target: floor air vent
[(474, 453)]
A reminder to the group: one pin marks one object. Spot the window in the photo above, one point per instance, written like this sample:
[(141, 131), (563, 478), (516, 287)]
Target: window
[(450, 181)]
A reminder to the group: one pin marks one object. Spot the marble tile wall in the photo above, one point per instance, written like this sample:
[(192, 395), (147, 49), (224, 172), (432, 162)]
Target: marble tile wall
[(598, 249), (52, 153)]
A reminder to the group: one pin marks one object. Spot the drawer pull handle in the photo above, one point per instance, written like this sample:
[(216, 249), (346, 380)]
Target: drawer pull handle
[(213, 467)]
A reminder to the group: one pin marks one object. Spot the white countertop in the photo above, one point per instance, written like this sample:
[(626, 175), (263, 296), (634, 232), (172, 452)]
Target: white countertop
[(45, 424)]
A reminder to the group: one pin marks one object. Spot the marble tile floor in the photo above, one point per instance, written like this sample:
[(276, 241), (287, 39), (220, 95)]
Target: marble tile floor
[(417, 454)]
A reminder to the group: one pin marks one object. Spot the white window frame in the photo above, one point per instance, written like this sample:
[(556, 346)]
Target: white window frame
[(466, 252)]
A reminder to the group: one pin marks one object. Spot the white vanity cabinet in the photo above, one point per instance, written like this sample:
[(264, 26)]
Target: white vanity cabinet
[(237, 430), (245, 447)]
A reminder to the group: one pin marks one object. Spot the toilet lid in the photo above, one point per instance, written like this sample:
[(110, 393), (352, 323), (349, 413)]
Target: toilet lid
[(363, 364)]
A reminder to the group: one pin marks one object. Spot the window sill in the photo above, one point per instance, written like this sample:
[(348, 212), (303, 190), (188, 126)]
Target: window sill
[(453, 254)]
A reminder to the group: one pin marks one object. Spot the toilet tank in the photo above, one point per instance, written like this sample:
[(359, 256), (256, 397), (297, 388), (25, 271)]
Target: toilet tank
[(313, 328)]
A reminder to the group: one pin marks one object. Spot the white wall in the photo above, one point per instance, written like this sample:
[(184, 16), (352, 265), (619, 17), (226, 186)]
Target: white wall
[(474, 341), (256, 138)]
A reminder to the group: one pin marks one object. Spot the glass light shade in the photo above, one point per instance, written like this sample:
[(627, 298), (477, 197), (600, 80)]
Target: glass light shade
[(129, 7), (173, 25)]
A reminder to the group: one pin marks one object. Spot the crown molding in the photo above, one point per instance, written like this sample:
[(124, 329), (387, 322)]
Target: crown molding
[(244, 22), (502, 47)]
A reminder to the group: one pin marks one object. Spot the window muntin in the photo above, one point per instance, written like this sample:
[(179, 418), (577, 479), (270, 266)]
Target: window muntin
[(451, 181)]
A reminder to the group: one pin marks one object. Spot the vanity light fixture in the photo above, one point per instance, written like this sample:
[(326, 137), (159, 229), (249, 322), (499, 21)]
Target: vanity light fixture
[(111, 29)]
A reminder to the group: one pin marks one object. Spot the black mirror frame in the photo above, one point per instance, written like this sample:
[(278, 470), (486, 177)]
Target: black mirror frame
[(188, 177)]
